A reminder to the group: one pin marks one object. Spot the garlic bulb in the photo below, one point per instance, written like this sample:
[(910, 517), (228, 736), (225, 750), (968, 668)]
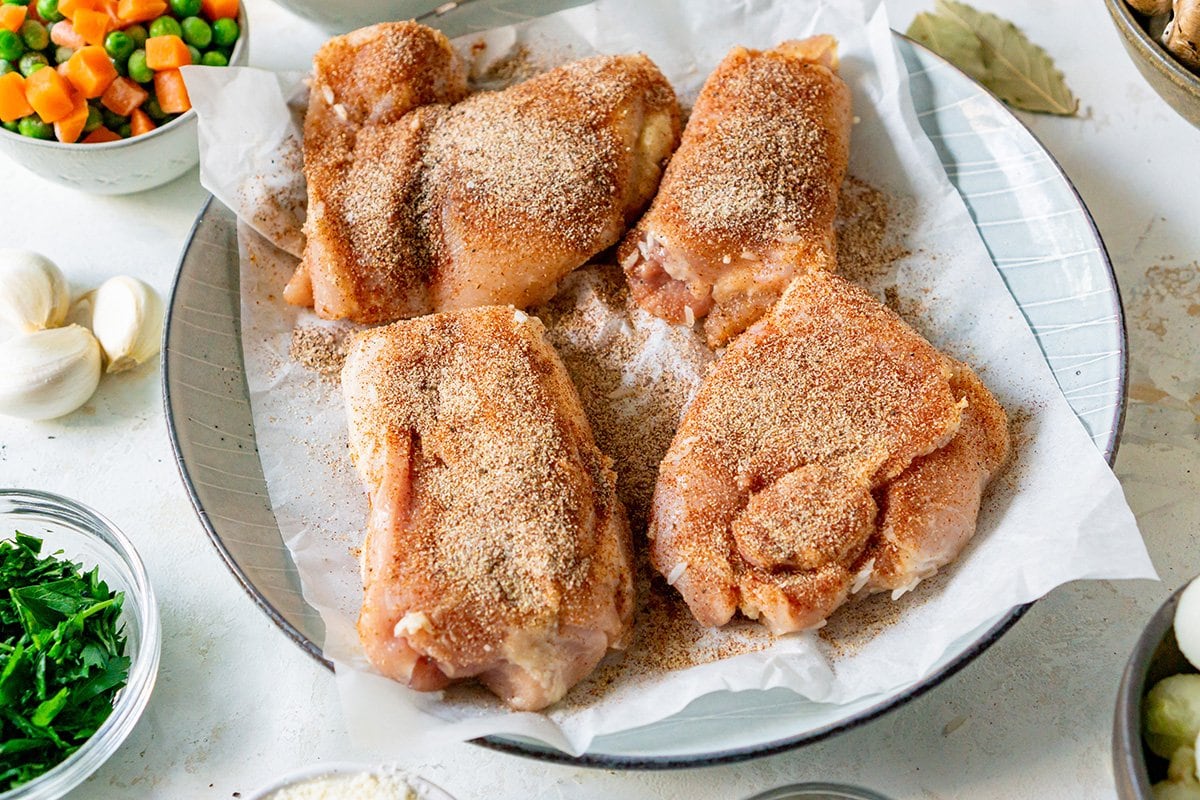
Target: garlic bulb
[(33, 291), (127, 318), (48, 373)]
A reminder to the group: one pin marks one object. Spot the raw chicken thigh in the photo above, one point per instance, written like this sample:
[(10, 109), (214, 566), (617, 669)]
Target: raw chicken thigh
[(496, 546), (431, 204), (749, 199), (830, 439)]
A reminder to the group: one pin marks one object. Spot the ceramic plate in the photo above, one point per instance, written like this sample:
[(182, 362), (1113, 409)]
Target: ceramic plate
[(1037, 230)]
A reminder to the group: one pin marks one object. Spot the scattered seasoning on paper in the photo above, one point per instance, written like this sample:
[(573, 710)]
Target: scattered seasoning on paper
[(513, 68), (318, 349), (870, 231), (635, 375)]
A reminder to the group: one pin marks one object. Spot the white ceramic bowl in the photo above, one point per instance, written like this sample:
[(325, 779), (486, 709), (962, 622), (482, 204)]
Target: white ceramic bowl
[(130, 165), (91, 540), (423, 788), (340, 16)]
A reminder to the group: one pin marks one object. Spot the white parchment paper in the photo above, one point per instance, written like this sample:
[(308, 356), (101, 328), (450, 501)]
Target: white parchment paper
[(1057, 514)]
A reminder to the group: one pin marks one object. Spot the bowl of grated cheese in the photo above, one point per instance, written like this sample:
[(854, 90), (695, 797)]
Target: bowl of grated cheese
[(350, 782)]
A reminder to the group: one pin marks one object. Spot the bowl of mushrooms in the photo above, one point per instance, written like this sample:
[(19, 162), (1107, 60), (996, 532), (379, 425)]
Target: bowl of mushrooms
[(57, 349), (1163, 39)]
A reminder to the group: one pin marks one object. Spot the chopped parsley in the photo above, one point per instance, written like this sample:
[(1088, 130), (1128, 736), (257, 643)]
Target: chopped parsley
[(61, 658)]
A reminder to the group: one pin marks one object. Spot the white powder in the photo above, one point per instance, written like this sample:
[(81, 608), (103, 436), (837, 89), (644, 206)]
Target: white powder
[(363, 786)]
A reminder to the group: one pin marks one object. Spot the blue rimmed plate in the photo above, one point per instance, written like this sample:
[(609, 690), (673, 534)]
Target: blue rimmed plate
[(1037, 230)]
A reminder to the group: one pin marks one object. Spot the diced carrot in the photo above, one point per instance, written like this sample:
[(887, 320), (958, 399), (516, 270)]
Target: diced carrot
[(100, 136), (114, 18), (123, 96), (68, 7), (13, 104), (132, 11), (167, 52), (91, 25), (12, 16), (217, 9), (140, 122), (171, 93), (63, 34), (49, 94), (90, 71), (70, 128)]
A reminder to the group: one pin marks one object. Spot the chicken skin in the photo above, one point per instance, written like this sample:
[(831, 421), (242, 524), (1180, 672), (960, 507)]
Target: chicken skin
[(491, 200), (928, 513), (370, 77), (750, 197), (769, 499), (496, 547)]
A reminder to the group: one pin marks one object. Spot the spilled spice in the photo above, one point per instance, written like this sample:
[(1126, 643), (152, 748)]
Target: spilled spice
[(870, 231), (318, 349)]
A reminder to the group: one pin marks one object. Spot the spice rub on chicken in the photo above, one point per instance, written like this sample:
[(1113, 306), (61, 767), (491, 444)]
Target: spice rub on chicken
[(750, 197), (496, 546), (444, 203), (369, 77), (830, 447)]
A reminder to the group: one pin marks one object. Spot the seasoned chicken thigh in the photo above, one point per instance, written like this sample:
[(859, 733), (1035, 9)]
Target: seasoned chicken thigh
[(496, 546), (370, 77), (927, 514), (491, 200), (768, 499), (750, 198)]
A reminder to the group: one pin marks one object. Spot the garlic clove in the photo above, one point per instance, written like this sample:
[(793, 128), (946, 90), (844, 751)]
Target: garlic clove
[(33, 291), (49, 373), (127, 318)]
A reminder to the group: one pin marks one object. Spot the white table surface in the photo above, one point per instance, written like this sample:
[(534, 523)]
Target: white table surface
[(237, 703)]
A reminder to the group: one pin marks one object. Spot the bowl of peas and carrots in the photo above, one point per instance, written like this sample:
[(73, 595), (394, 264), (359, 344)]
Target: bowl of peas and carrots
[(91, 92)]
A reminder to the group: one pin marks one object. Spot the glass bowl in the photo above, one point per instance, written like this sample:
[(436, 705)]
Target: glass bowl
[(423, 788), (86, 537), (818, 791)]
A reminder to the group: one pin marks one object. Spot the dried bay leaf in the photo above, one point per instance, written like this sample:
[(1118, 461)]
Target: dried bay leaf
[(1019, 72), (961, 48)]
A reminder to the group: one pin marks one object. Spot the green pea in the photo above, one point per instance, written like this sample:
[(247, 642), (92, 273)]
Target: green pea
[(112, 120), (12, 125), (31, 63), (214, 58), (35, 35), (225, 32), (124, 131), (11, 45), (153, 109), (137, 67), (63, 54), (119, 46), (165, 26), (184, 8), (48, 10), (138, 34), (194, 52), (6, 66), (95, 120), (197, 32), (33, 127)]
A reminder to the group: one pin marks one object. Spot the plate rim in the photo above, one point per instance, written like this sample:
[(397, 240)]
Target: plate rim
[(732, 755)]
